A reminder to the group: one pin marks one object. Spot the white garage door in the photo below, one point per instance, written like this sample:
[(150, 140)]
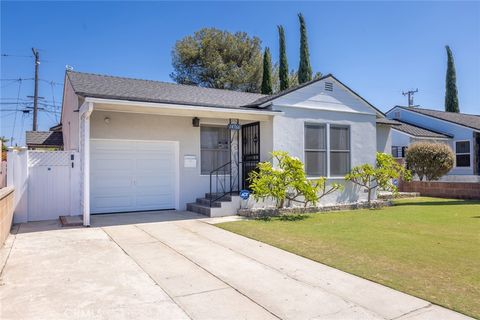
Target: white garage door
[(130, 175)]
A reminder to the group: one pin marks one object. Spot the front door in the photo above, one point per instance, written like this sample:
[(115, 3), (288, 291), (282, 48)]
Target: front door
[(250, 150)]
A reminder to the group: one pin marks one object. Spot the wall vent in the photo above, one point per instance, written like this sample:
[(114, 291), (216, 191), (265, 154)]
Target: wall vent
[(328, 86), (396, 115)]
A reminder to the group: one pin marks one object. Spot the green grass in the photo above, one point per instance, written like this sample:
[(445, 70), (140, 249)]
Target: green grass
[(426, 247)]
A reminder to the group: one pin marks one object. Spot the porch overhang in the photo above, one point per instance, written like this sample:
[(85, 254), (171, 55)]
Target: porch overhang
[(167, 109)]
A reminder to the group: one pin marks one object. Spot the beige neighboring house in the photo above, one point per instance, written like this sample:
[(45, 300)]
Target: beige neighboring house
[(150, 145)]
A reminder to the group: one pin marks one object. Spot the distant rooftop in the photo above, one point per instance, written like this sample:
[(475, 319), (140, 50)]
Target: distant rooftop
[(467, 120), (45, 139), (419, 132)]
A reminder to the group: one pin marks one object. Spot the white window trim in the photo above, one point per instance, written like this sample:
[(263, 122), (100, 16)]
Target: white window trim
[(469, 153), (316, 150), (327, 128)]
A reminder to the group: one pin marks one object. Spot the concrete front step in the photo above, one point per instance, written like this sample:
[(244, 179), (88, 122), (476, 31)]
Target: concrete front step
[(225, 197), (199, 208), (226, 206), (206, 202)]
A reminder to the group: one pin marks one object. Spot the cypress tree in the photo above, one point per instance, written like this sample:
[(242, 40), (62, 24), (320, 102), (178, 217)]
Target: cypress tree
[(283, 72), (451, 93), (304, 68), (267, 72)]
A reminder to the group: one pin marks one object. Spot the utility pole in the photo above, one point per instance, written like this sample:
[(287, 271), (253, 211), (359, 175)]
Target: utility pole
[(35, 95), (410, 94)]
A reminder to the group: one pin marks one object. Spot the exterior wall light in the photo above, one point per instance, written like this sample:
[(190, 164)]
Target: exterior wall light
[(196, 122)]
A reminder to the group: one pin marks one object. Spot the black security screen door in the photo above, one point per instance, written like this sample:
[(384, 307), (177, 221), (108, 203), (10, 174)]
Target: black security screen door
[(250, 150)]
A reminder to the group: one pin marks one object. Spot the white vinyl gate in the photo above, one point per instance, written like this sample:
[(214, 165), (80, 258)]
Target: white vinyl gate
[(48, 184)]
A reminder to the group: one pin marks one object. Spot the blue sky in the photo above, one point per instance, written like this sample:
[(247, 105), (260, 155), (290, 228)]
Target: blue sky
[(376, 48)]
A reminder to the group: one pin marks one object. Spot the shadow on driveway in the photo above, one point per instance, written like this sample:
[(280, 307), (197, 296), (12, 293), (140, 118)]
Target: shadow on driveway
[(111, 219)]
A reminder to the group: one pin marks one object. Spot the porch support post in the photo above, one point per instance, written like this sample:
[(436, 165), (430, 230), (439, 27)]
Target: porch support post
[(85, 112)]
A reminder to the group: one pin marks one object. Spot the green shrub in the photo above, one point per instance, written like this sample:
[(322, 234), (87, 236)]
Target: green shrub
[(430, 160), (287, 180), (380, 176)]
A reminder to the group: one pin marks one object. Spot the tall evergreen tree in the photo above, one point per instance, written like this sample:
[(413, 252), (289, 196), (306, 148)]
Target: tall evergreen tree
[(304, 68), (267, 72), (451, 93), (283, 72)]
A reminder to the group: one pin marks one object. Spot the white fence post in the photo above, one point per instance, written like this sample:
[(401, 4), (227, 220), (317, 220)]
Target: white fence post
[(17, 177)]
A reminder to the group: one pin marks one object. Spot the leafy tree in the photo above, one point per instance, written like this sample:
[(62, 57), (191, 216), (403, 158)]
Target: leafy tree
[(287, 181), (292, 78), (214, 58), (380, 176), (4, 143), (304, 68), (283, 72), (451, 93), (267, 72), (430, 160)]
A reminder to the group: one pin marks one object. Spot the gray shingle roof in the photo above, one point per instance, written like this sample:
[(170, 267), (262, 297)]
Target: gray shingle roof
[(387, 121), (467, 120), (419, 131), (44, 138), (109, 87)]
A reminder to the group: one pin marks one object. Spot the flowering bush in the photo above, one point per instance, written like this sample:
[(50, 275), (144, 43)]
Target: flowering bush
[(380, 176), (430, 160), (285, 179)]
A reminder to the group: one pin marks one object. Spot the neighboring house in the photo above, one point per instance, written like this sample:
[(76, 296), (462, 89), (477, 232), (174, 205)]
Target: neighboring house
[(52, 140), (149, 145), (460, 131)]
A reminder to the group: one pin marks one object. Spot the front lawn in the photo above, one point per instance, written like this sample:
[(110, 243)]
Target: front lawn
[(426, 247)]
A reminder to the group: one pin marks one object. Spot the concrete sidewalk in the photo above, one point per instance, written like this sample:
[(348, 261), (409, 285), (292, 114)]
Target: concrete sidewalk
[(174, 266)]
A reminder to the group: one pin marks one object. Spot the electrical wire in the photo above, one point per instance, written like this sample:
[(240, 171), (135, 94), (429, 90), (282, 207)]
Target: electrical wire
[(15, 55), (15, 119)]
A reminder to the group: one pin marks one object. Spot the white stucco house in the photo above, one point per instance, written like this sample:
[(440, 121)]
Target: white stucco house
[(149, 145), (460, 131)]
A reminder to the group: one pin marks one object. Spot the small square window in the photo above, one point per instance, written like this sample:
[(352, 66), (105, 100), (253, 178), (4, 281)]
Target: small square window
[(463, 160), (462, 153)]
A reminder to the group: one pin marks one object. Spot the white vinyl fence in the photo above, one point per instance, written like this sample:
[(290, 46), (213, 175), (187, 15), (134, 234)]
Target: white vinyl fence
[(47, 184), (3, 174)]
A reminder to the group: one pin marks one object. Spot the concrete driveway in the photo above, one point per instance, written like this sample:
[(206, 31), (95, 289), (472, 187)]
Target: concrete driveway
[(176, 265)]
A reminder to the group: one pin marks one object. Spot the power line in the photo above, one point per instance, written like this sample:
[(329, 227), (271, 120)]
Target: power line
[(15, 55), (15, 119), (16, 79)]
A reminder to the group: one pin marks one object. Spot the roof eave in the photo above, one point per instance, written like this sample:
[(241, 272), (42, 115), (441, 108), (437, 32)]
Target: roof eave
[(181, 106)]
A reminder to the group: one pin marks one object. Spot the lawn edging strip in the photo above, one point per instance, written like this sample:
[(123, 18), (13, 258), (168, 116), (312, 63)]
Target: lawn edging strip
[(273, 212)]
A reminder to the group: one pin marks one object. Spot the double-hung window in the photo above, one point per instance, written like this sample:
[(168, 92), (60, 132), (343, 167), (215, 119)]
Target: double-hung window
[(215, 148), (462, 153), (316, 150), (324, 151), (339, 150)]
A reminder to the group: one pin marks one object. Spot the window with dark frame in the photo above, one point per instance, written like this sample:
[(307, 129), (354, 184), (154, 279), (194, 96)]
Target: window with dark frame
[(462, 153), (339, 150), (214, 148), (316, 150), (399, 152)]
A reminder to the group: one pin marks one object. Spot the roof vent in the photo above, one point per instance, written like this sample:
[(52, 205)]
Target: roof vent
[(328, 86)]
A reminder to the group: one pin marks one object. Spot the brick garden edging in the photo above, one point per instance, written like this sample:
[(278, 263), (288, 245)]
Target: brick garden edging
[(272, 212), (457, 190)]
